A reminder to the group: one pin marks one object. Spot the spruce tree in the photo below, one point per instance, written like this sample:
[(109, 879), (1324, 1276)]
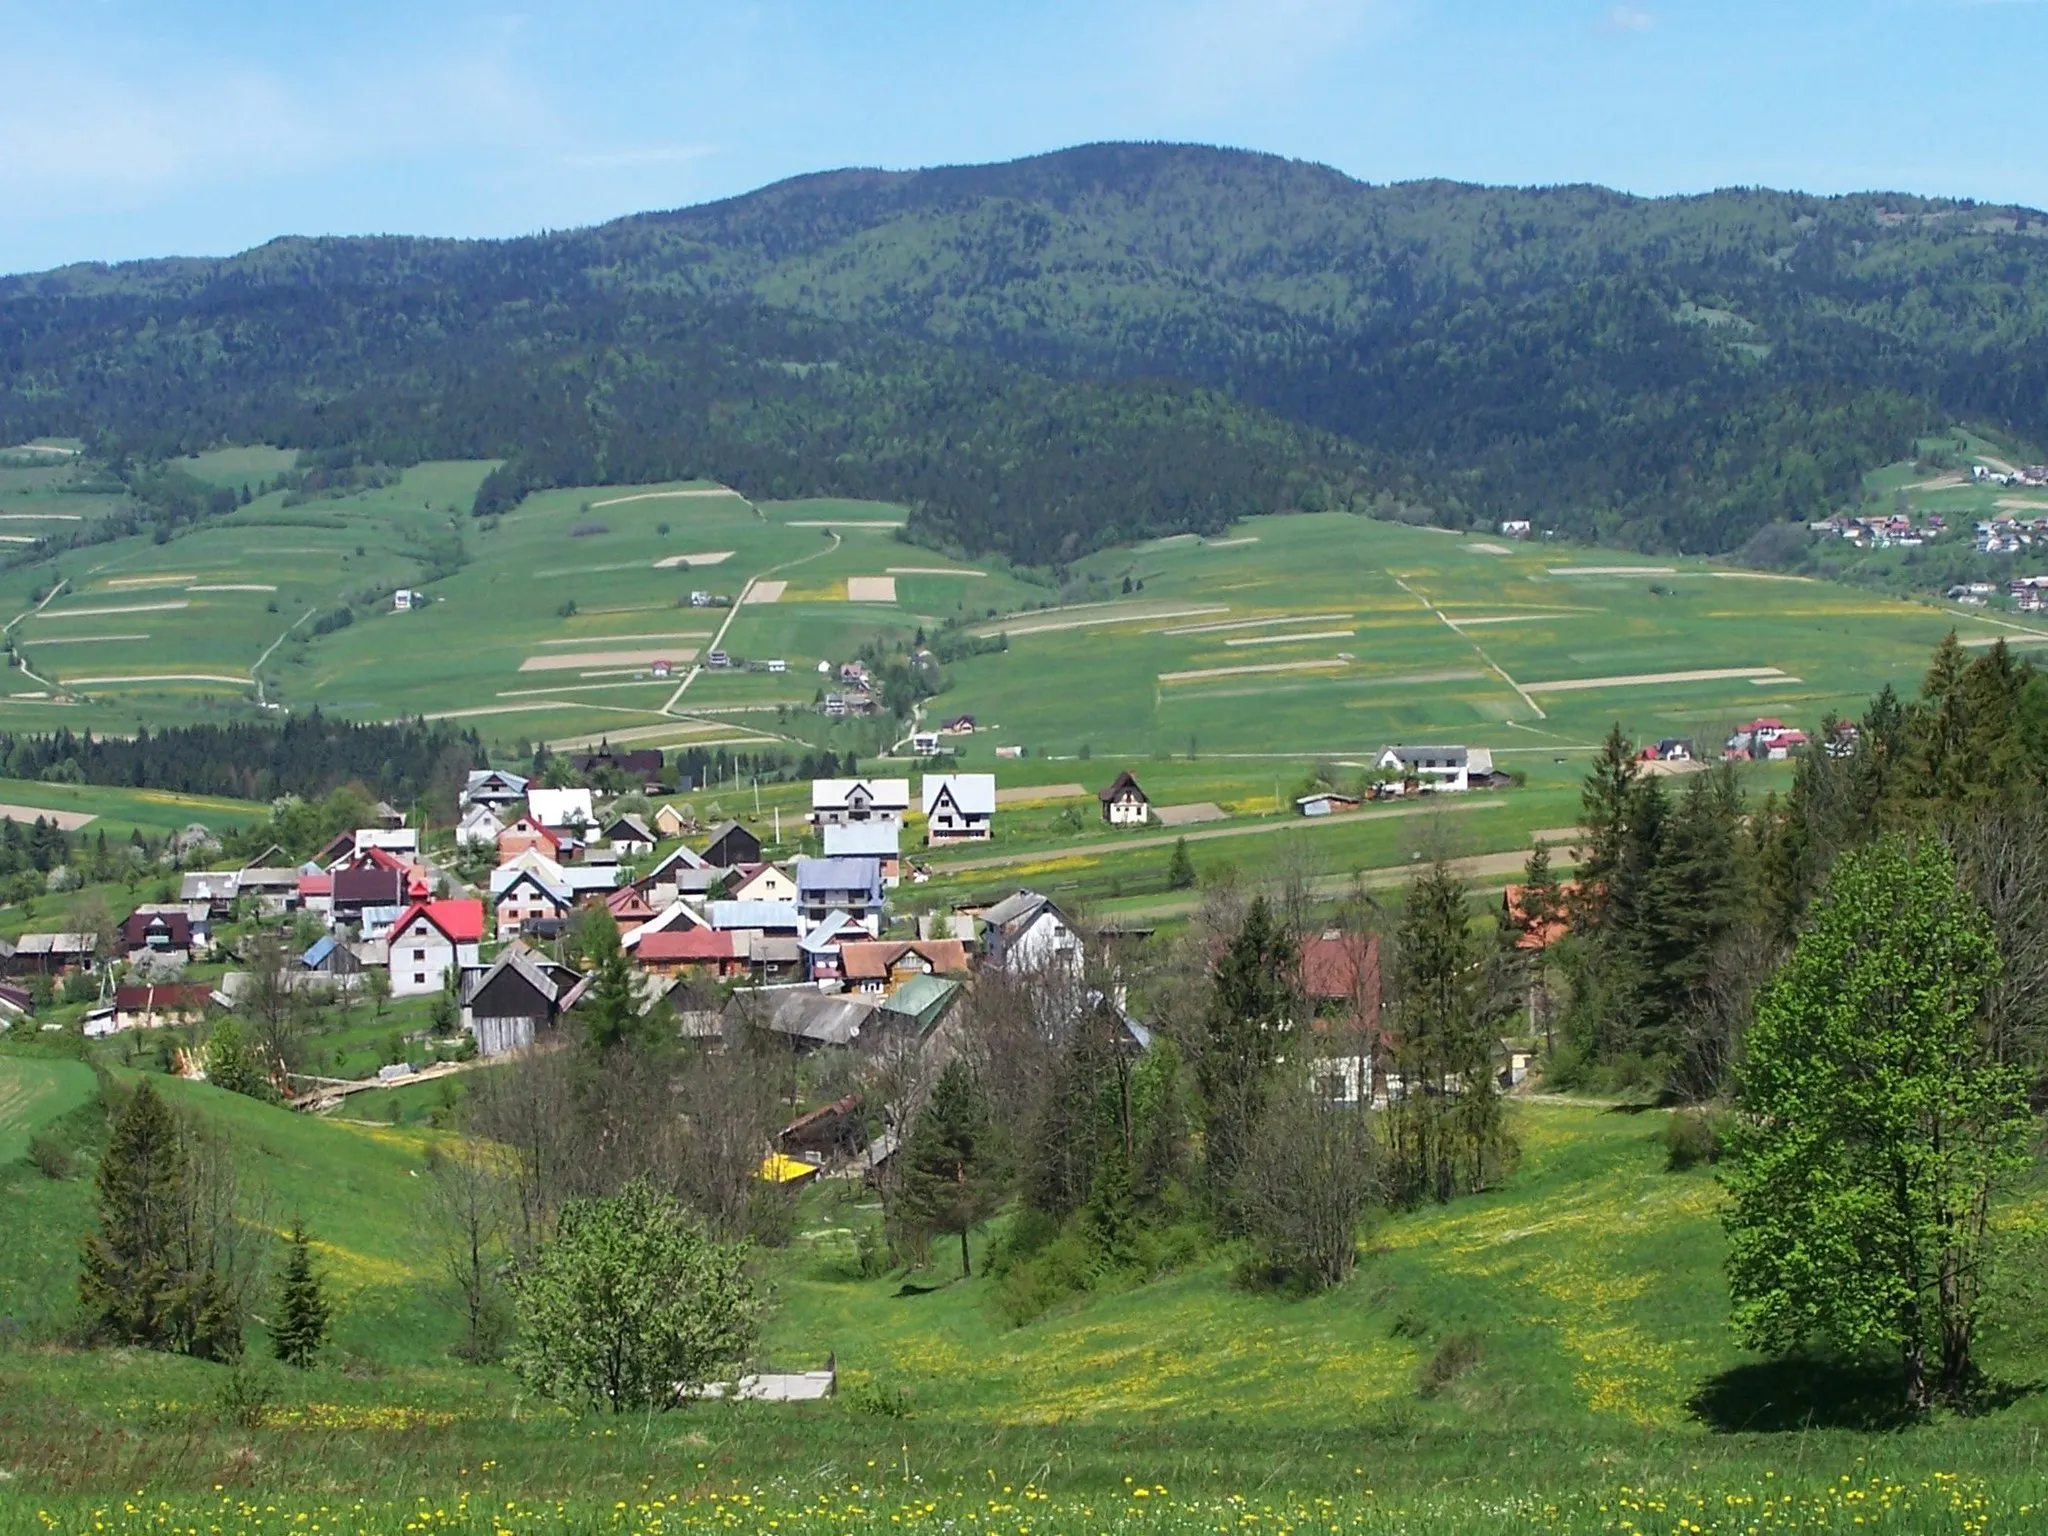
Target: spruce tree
[(950, 1165), (1604, 805), (1180, 870), (1251, 1002), (303, 1311), (129, 1285)]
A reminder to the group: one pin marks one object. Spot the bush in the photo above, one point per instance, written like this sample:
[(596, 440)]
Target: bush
[(883, 1402), (51, 1157), (1692, 1137), (245, 1397)]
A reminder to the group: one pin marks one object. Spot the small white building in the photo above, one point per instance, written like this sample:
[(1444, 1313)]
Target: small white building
[(479, 827), (959, 807), (405, 599), (1124, 804)]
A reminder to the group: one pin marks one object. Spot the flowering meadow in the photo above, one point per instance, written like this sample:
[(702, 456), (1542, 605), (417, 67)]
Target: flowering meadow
[(1939, 1504)]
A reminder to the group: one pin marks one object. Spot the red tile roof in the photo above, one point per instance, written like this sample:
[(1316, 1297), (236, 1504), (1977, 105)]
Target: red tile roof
[(462, 921), (1337, 967), (688, 945), (316, 885)]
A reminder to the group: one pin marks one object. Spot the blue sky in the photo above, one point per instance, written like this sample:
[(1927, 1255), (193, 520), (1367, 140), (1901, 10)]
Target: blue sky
[(132, 129)]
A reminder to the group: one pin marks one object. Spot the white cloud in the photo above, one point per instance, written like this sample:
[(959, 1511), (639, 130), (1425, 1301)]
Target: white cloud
[(1630, 18)]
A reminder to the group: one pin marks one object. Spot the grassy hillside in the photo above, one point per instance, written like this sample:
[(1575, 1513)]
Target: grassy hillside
[(1552, 1354)]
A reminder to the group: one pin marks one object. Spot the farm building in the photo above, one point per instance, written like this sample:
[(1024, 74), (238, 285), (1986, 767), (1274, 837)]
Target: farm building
[(1325, 802), (959, 807), (160, 1007), (1124, 804), (508, 1005), (731, 845), (1441, 769), (629, 835), (46, 954)]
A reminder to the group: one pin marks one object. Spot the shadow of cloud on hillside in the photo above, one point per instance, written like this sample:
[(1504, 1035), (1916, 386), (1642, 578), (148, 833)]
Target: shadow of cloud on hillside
[(1773, 1396)]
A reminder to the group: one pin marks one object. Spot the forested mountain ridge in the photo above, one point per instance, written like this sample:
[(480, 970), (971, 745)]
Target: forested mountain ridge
[(1106, 342)]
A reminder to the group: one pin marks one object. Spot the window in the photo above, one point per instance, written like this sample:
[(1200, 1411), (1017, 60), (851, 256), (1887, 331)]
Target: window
[(419, 978), (419, 957)]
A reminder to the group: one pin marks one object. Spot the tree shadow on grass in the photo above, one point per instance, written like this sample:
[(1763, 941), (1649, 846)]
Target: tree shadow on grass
[(1805, 1392), (1773, 1396)]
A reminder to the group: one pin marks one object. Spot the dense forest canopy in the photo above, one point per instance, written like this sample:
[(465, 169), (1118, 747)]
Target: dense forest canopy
[(1109, 342)]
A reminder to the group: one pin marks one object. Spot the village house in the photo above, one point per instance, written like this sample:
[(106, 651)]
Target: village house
[(761, 882), (524, 834), (1340, 978), (494, 787), (170, 1005), (781, 919), (1443, 769), (429, 940), (357, 891), (215, 889), (804, 1017), (959, 807), (479, 827), (686, 951), (731, 845), (852, 886), (560, 809), (328, 956), (316, 894), (274, 891), (669, 821), (47, 954), (848, 800), (522, 894), (681, 873), (959, 725), (878, 967), (880, 840), (1672, 749), (1026, 931), (507, 1006), (157, 932), (629, 835), (628, 907), (1124, 804)]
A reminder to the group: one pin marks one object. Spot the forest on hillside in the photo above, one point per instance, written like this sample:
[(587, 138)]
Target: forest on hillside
[(1107, 343)]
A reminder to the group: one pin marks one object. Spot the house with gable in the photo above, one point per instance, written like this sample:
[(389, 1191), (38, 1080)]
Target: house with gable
[(852, 886), (849, 800), (959, 807), (479, 828), (731, 845), (1026, 931), (629, 835), (529, 892), (1124, 804), (762, 882), (525, 834), (430, 939), (494, 787)]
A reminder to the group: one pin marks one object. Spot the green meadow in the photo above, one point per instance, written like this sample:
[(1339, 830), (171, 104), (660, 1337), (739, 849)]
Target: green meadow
[(1550, 1355)]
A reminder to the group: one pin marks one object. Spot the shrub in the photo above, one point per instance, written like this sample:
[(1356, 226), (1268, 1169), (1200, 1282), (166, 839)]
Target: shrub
[(1692, 1137), (50, 1156), (873, 1398)]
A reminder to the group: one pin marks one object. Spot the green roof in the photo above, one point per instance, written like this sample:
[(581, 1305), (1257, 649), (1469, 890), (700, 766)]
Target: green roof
[(923, 998)]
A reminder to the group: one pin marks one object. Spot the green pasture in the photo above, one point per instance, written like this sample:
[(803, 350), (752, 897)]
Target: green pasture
[(33, 1092), (118, 812), (1340, 644), (1551, 1355)]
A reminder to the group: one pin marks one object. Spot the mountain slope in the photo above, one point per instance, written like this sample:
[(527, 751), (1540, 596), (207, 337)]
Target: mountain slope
[(1109, 341)]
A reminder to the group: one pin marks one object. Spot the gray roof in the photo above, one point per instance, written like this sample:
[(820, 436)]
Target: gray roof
[(869, 839), (212, 885), (831, 927), (753, 914), (1011, 908), (839, 875), (804, 1012)]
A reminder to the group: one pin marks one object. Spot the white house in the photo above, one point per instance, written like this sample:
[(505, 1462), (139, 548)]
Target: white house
[(479, 827), (959, 807), (405, 599), (1026, 932), (1124, 804), (554, 808), (1441, 769), (494, 786), (881, 840), (431, 938), (835, 802)]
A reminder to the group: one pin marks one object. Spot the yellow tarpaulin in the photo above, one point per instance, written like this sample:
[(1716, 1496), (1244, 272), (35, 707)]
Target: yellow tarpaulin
[(777, 1169)]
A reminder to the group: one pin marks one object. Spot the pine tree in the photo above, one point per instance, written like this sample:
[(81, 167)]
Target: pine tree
[(951, 1171), (303, 1311), (1605, 803), (1180, 870), (129, 1284), (611, 1013)]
